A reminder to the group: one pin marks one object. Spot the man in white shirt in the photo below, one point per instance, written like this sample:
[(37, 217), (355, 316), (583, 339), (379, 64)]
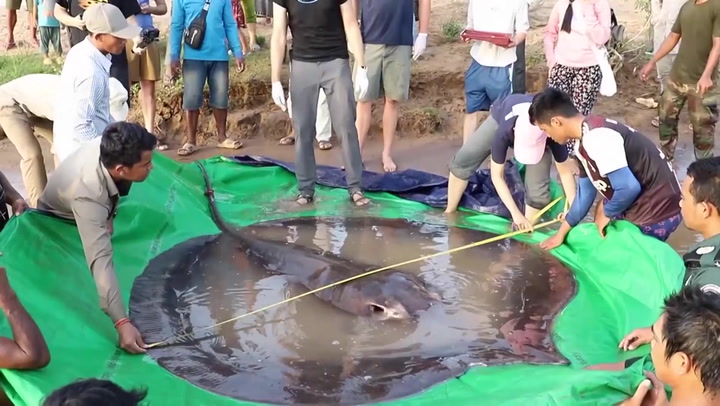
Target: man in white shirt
[(489, 76), (23, 114), (85, 79)]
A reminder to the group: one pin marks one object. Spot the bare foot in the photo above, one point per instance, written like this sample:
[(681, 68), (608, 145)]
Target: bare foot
[(388, 164)]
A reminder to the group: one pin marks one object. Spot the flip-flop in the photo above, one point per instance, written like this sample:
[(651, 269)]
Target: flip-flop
[(361, 200), (303, 199), (324, 145), (230, 143), (289, 140), (187, 149)]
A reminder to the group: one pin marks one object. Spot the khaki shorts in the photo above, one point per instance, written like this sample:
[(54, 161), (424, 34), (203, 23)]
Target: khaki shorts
[(15, 4), (145, 66), (388, 69)]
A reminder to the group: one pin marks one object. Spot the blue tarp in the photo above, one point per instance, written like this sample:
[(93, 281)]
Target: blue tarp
[(416, 185)]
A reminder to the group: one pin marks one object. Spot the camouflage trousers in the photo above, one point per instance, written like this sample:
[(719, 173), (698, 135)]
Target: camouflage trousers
[(703, 112)]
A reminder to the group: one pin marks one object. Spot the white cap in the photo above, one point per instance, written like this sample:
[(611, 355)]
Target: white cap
[(104, 18)]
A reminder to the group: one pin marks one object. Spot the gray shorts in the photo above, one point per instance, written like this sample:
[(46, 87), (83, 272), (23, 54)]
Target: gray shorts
[(477, 149), (388, 69)]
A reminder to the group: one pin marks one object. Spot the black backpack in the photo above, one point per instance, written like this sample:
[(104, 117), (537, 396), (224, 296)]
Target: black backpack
[(195, 32)]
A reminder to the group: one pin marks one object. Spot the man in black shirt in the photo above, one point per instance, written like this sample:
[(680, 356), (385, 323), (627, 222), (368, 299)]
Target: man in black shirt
[(319, 58), (69, 13)]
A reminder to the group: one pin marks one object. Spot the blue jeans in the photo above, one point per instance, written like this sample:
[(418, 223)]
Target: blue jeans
[(196, 74)]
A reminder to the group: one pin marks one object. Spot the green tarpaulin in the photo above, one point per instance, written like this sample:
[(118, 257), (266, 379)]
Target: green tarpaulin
[(621, 283)]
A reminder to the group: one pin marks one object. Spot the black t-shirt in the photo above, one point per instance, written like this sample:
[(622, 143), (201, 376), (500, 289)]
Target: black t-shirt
[(76, 7), (317, 30), (608, 145)]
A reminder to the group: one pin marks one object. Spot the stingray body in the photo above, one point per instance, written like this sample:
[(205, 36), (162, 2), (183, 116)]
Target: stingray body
[(387, 295)]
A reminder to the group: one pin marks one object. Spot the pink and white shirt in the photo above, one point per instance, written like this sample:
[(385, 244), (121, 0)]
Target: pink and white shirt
[(590, 27)]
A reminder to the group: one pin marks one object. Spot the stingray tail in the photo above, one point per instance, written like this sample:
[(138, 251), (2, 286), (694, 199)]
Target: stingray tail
[(214, 212)]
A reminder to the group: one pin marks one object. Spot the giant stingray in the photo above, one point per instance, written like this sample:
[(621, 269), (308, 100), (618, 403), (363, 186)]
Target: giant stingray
[(310, 352)]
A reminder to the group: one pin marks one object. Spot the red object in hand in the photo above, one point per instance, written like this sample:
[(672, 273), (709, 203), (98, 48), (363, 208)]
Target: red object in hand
[(496, 38)]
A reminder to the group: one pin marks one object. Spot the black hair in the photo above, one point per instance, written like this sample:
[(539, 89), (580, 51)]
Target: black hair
[(92, 392), (705, 187), (692, 326), (123, 144), (567, 20), (551, 103)]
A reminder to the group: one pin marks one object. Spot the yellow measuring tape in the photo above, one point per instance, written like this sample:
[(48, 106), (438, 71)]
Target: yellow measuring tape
[(385, 268)]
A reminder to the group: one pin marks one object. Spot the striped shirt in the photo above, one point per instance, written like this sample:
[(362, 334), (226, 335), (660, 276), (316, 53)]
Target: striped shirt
[(83, 111)]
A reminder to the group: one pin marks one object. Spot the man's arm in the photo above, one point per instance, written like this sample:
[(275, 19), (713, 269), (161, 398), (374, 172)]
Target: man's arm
[(607, 148), (177, 26), (27, 349), (583, 201), (231, 31), (712, 60), (356, 6), (670, 42), (278, 41), (498, 155), (424, 16), (11, 195), (159, 9), (92, 223), (626, 190), (352, 31), (567, 179), (62, 15), (522, 23)]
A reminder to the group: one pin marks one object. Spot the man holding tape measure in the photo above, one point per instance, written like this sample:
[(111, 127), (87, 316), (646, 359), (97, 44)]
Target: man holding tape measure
[(636, 181), (508, 126)]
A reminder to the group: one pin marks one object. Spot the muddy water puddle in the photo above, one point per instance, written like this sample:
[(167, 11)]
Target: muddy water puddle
[(498, 305)]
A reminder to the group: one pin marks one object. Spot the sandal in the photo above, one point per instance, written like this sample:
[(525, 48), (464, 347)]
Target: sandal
[(230, 143), (161, 146), (289, 140), (303, 199), (186, 149), (358, 198), (325, 145)]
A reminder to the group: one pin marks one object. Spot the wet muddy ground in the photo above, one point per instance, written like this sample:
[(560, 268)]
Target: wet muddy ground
[(498, 305)]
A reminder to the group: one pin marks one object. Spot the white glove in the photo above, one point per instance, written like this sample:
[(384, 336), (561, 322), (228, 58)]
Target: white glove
[(420, 45), (361, 82), (278, 95)]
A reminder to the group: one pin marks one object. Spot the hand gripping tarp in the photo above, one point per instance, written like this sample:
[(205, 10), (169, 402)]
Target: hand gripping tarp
[(621, 282)]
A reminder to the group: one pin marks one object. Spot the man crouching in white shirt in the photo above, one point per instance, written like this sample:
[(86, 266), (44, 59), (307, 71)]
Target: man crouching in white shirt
[(84, 111)]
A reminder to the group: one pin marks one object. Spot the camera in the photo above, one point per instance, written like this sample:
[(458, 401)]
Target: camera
[(148, 36)]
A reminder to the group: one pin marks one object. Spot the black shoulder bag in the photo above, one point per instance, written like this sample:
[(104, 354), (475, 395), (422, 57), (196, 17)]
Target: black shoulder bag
[(195, 32)]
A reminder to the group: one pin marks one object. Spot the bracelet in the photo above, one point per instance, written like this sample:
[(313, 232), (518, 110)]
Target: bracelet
[(122, 321)]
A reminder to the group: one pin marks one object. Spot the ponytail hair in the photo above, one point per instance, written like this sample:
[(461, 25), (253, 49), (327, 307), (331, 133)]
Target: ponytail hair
[(567, 20)]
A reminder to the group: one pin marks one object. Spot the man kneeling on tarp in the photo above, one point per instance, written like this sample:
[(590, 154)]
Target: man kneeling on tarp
[(701, 213), (86, 187), (636, 181), (685, 353)]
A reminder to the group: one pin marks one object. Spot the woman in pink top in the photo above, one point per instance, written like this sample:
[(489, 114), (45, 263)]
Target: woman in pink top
[(574, 27)]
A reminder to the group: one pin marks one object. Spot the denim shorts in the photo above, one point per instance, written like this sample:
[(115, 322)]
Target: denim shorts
[(196, 74), (484, 85)]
